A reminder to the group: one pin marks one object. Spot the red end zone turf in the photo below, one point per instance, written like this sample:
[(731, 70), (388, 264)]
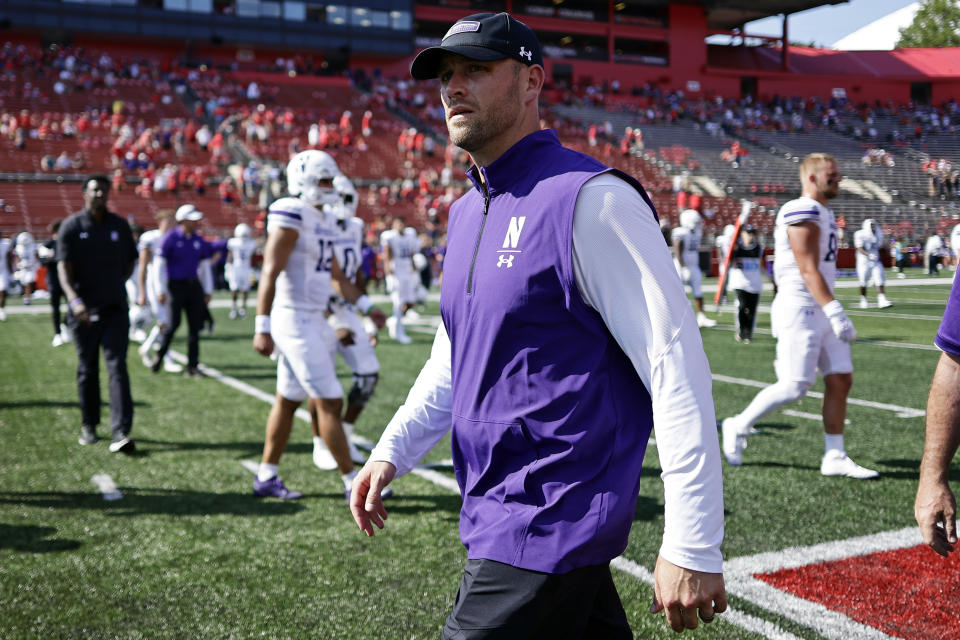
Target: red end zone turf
[(909, 593)]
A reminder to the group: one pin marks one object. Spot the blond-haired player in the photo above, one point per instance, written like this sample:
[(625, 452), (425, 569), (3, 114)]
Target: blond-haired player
[(813, 332)]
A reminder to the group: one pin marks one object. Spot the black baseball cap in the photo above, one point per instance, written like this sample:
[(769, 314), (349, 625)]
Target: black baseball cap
[(481, 36)]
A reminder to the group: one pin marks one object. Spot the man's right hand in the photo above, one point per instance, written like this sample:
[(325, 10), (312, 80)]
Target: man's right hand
[(80, 311), (263, 344), (365, 502), (162, 298), (935, 509), (839, 322)]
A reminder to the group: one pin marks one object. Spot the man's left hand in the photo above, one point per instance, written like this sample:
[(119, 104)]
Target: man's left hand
[(687, 596), (344, 336)]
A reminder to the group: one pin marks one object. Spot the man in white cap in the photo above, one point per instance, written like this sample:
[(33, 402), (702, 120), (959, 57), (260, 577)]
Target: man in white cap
[(182, 250)]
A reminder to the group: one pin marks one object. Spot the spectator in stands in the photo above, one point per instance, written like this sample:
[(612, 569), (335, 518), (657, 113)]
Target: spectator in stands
[(64, 162)]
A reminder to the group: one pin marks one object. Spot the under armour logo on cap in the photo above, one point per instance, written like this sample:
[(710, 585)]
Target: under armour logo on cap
[(483, 37)]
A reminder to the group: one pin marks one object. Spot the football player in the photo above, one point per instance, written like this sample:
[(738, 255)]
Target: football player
[(399, 248), (301, 273), (813, 332), (152, 287), (6, 268), (868, 241), (352, 342), (28, 262), (240, 250), (686, 257)]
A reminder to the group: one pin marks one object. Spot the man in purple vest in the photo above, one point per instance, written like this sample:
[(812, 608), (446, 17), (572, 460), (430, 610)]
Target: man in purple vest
[(935, 504), (566, 336)]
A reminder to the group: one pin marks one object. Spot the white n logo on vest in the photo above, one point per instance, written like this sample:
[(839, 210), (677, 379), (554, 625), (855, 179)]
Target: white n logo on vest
[(510, 241)]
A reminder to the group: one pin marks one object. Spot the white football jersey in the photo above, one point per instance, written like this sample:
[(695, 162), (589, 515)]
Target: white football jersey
[(954, 241), (241, 251), (402, 247), (868, 241), (151, 240), (5, 245), (27, 260), (691, 245), (790, 283), (347, 247), (305, 282)]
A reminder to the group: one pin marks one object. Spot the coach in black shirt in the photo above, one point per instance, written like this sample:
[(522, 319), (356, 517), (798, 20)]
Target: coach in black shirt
[(96, 254)]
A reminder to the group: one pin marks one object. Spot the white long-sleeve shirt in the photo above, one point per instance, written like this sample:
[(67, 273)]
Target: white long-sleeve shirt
[(623, 270)]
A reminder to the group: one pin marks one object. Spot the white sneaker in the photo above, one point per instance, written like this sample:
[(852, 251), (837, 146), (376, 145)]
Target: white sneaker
[(234, 313), (392, 327), (3, 315), (65, 333), (734, 442), (171, 366), (138, 335), (864, 304), (322, 458), (836, 463), (883, 303), (403, 338), (901, 275), (704, 321), (57, 340), (411, 314)]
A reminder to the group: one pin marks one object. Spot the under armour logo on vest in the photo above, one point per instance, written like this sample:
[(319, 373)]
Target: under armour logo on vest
[(526, 54), (505, 260)]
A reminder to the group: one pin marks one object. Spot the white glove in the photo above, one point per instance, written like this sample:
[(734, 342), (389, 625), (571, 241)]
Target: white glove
[(685, 273), (873, 257), (839, 322)]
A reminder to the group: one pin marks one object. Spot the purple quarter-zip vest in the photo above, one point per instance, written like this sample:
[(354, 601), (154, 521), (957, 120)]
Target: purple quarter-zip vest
[(550, 419)]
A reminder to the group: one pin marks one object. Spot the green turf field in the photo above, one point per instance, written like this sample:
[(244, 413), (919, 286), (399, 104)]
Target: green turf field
[(189, 553)]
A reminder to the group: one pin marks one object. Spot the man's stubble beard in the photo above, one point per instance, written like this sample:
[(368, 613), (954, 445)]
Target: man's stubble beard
[(499, 116)]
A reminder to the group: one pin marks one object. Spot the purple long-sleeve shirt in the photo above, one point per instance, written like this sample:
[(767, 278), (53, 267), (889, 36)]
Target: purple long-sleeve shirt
[(183, 253)]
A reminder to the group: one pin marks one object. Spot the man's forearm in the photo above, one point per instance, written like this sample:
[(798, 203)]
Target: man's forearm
[(943, 419), (66, 273)]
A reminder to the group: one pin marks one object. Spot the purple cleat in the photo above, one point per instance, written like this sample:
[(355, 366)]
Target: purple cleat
[(273, 488)]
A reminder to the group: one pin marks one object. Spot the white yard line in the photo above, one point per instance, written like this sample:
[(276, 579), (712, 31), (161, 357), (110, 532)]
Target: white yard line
[(740, 581), (107, 487), (902, 412)]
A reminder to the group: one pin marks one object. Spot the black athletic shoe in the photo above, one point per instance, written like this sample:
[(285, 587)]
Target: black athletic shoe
[(87, 436)]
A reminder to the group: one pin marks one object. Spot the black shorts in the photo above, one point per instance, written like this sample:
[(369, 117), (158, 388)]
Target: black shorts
[(498, 601)]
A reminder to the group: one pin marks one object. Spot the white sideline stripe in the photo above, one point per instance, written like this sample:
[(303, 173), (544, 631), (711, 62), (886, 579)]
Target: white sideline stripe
[(806, 415), (304, 415), (757, 625), (902, 412), (875, 343), (739, 572), (107, 487)]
